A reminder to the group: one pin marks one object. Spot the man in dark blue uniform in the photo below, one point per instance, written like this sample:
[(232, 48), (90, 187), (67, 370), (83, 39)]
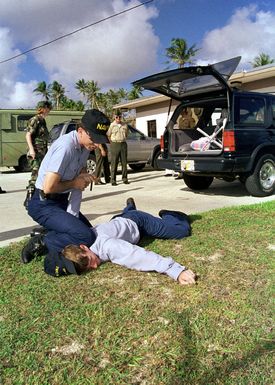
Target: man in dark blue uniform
[(63, 171)]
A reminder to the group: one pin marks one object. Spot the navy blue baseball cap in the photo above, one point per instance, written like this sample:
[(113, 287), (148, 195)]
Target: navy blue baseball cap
[(57, 265), (96, 124)]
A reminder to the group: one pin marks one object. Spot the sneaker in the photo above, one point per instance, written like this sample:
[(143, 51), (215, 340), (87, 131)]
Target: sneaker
[(130, 201), (2, 191), (175, 213), (34, 248), (126, 182)]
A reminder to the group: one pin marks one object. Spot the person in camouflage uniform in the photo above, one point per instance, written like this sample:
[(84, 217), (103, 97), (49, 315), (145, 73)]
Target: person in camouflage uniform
[(37, 140)]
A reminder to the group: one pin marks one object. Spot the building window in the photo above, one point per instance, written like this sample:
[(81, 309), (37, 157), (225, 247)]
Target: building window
[(152, 128)]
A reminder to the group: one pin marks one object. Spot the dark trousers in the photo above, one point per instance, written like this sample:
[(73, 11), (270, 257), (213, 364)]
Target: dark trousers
[(118, 152), (63, 228), (102, 162), (170, 226)]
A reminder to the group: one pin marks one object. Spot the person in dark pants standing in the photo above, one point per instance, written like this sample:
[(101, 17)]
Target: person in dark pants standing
[(37, 140), (63, 172), (117, 135), (101, 157)]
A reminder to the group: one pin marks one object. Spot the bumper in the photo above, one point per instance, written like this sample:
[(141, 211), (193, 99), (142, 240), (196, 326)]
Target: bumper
[(210, 166)]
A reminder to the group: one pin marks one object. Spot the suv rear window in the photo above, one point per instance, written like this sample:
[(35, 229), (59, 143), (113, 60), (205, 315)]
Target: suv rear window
[(250, 111)]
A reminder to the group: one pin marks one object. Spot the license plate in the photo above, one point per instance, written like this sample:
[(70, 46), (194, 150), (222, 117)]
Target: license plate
[(187, 165)]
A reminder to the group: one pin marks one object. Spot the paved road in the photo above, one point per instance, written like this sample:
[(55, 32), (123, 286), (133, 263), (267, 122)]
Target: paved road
[(151, 189)]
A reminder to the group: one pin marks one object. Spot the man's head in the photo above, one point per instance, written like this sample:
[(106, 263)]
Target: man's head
[(44, 107), (96, 125), (73, 260), (118, 118), (83, 258)]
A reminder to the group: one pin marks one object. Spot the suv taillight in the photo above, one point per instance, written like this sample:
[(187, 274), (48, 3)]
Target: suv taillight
[(161, 143), (229, 141)]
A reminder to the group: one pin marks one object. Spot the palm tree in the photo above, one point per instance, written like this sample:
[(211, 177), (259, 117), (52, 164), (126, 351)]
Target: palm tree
[(57, 92), (122, 94), (71, 105), (135, 93), (261, 60), (179, 52), (92, 93), (43, 89), (82, 86)]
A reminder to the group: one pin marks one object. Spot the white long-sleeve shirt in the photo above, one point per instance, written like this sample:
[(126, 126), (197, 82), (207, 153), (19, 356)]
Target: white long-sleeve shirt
[(116, 242)]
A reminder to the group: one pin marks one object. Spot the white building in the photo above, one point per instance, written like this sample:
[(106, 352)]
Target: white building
[(152, 112)]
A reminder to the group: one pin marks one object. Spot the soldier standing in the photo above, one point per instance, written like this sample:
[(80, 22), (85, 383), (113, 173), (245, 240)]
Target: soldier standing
[(117, 135), (37, 140)]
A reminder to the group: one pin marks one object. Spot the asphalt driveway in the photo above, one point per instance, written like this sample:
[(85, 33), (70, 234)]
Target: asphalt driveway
[(151, 189)]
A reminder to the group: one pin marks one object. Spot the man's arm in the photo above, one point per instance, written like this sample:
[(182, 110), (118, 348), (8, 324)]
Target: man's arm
[(30, 145), (53, 184)]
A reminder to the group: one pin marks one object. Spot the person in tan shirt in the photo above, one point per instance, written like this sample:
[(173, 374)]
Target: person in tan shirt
[(117, 134)]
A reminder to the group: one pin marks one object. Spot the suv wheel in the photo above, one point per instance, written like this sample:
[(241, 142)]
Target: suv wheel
[(137, 166), (91, 164), (262, 181), (157, 156), (197, 182), (23, 164)]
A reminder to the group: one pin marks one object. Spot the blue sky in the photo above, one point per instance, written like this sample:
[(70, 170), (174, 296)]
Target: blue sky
[(123, 49)]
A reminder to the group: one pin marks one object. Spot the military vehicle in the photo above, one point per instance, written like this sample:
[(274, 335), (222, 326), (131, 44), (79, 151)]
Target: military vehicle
[(13, 124)]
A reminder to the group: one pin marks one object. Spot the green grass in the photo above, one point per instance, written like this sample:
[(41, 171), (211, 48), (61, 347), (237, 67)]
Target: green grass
[(144, 328)]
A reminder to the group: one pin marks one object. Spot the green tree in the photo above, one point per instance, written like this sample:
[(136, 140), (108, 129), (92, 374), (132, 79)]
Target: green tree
[(110, 98), (92, 93), (43, 89), (261, 60), (71, 105), (82, 87), (57, 92), (179, 52), (135, 93), (90, 90)]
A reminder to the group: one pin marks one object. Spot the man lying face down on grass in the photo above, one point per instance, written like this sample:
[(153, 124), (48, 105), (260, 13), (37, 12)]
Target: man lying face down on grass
[(116, 242)]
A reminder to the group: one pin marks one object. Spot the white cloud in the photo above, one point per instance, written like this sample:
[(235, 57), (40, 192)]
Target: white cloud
[(11, 92), (111, 53), (248, 33), (22, 96)]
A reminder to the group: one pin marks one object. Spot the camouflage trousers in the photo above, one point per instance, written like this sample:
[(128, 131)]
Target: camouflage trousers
[(34, 165)]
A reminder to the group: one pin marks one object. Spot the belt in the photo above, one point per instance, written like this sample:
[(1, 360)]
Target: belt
[(54, 196)]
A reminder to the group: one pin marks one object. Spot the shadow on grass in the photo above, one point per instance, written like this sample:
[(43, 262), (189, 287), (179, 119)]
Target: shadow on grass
[(191, 371), (194, 217)]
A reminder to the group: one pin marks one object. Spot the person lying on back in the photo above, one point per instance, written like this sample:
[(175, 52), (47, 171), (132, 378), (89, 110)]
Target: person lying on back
[(116, 242)]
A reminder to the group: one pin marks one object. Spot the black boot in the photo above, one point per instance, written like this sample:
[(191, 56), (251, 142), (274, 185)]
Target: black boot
[(130, 201), (34, 248), (29, 195)]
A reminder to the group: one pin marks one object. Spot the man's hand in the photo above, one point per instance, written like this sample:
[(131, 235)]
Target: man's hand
[(83, 180), (187, 277)]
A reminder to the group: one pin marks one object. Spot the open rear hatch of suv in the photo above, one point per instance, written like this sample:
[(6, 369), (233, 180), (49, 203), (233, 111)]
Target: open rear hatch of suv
[(198, 123)]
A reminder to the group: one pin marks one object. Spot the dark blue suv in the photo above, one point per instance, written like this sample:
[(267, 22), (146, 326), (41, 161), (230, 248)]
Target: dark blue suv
[(216, 130)]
